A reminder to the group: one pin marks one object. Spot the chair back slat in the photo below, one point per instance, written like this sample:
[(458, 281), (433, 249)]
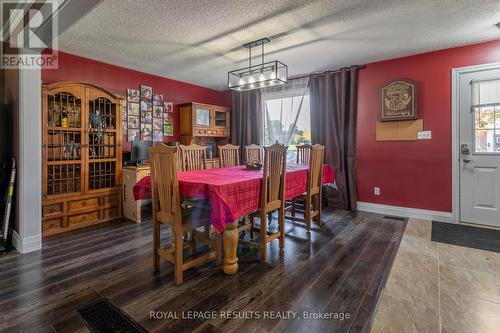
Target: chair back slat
[(193, 157), (164, 182), (303, 154), (273, 186), (229, 155), (316, 168), (180, 160), (253, 153)]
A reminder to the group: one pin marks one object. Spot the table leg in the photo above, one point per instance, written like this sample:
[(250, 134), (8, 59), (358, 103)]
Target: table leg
[(230, 264)]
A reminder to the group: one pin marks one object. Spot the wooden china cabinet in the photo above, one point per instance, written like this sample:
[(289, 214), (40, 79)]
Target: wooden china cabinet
[(206, 125), (82, 156)]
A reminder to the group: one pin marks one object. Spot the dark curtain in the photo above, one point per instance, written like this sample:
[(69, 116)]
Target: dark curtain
[(247, 125), (333, 122)]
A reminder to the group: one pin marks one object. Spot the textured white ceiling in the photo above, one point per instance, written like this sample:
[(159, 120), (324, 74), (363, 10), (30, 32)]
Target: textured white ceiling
[(199, 41)]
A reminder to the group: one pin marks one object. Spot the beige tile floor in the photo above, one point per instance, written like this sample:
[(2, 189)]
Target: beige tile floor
[(436, 287)]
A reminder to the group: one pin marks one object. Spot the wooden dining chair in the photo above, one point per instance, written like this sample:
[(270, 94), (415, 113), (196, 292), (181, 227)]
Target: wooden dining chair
[(303, 154), (193, 157), (229, 155), (253, 153), (167, 210), (311, 200), (272, 194)]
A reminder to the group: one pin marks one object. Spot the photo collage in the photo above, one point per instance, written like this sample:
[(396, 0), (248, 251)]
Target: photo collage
[(148, 117)]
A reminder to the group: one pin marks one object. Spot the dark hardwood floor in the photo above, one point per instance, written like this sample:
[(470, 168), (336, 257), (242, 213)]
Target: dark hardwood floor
[(340, 267)]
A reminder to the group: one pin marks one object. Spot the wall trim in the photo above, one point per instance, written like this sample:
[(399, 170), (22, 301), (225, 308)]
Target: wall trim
[(25, 245), (432, 215)]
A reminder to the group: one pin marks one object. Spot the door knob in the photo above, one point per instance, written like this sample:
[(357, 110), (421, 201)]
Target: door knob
[(465, 150)]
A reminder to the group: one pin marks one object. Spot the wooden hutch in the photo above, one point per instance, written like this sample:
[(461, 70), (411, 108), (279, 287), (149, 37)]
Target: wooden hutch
[(82, 156), (206, 125)]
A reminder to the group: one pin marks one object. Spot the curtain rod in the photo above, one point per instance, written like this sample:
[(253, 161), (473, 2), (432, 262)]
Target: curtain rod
[(328, 71)]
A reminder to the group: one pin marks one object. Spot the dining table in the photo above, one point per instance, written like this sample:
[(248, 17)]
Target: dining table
[(233, 193)]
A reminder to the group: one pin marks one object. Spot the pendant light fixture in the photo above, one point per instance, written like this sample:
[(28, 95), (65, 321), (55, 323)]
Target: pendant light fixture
[(262, 75)]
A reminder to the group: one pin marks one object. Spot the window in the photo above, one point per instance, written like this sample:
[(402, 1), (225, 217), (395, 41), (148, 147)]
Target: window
[(287, 115), (486, 107)]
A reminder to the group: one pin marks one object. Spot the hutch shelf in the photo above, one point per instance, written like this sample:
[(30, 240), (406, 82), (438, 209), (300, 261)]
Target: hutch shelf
[(206, 125), (81, 150)]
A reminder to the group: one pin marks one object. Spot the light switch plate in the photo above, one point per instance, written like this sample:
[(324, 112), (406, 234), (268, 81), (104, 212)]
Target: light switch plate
[(424, 135)]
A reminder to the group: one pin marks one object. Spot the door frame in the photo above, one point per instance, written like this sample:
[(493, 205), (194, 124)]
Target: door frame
[(455, 131)]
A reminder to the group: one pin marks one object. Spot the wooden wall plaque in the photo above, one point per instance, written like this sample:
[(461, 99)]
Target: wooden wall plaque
[(399, 100)]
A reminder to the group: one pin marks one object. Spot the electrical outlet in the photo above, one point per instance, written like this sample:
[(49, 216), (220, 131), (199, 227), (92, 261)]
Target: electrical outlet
[(424, 135), (376, 190)]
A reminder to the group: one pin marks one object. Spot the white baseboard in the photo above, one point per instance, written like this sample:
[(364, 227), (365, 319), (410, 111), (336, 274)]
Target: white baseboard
[(28, 244), (432, 215)]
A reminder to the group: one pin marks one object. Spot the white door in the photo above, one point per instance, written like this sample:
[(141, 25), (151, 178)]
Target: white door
[(480, 147)]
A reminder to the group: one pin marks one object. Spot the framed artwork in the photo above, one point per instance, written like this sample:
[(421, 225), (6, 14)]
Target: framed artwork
[(146, 92), (399, 100), (158, 100), (134, 134), (145, 106), (157, 123), (133, 109), (168, 118), (146, 117), (168, 130), (146, 131), (133, 95), (124, 118), (134, 122), (168, 106), (158, 110), (157, 135)]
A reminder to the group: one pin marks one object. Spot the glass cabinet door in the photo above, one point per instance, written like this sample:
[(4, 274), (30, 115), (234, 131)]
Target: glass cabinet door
[(220, 118), (202, 116)]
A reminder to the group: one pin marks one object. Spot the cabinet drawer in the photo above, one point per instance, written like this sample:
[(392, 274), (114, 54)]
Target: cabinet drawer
[(82, 218), (52, 224), (52, 209), (110, 199), (212, 132), (82, 204), (200, 131), (110, 213)]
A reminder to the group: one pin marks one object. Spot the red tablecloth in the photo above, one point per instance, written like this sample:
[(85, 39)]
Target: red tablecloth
[(233, 192)]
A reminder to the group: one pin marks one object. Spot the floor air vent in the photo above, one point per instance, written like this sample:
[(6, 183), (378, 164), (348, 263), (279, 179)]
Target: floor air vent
[(395, 218), (102, 316)]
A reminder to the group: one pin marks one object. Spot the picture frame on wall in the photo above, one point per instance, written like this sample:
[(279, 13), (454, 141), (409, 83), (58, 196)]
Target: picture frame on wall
[(133, 109), (168, 118), (133, 95), (146, 131), (157, 123), (145, 106), (168, 130), (146, 117), (157, 135), (158, 100), (168, 106), (158, 111), (134, 122), (146, 92), (399, 99), (134, 134)]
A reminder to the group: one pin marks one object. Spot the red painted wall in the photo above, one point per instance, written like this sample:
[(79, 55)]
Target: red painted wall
[(414, 174), (118, 79)]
